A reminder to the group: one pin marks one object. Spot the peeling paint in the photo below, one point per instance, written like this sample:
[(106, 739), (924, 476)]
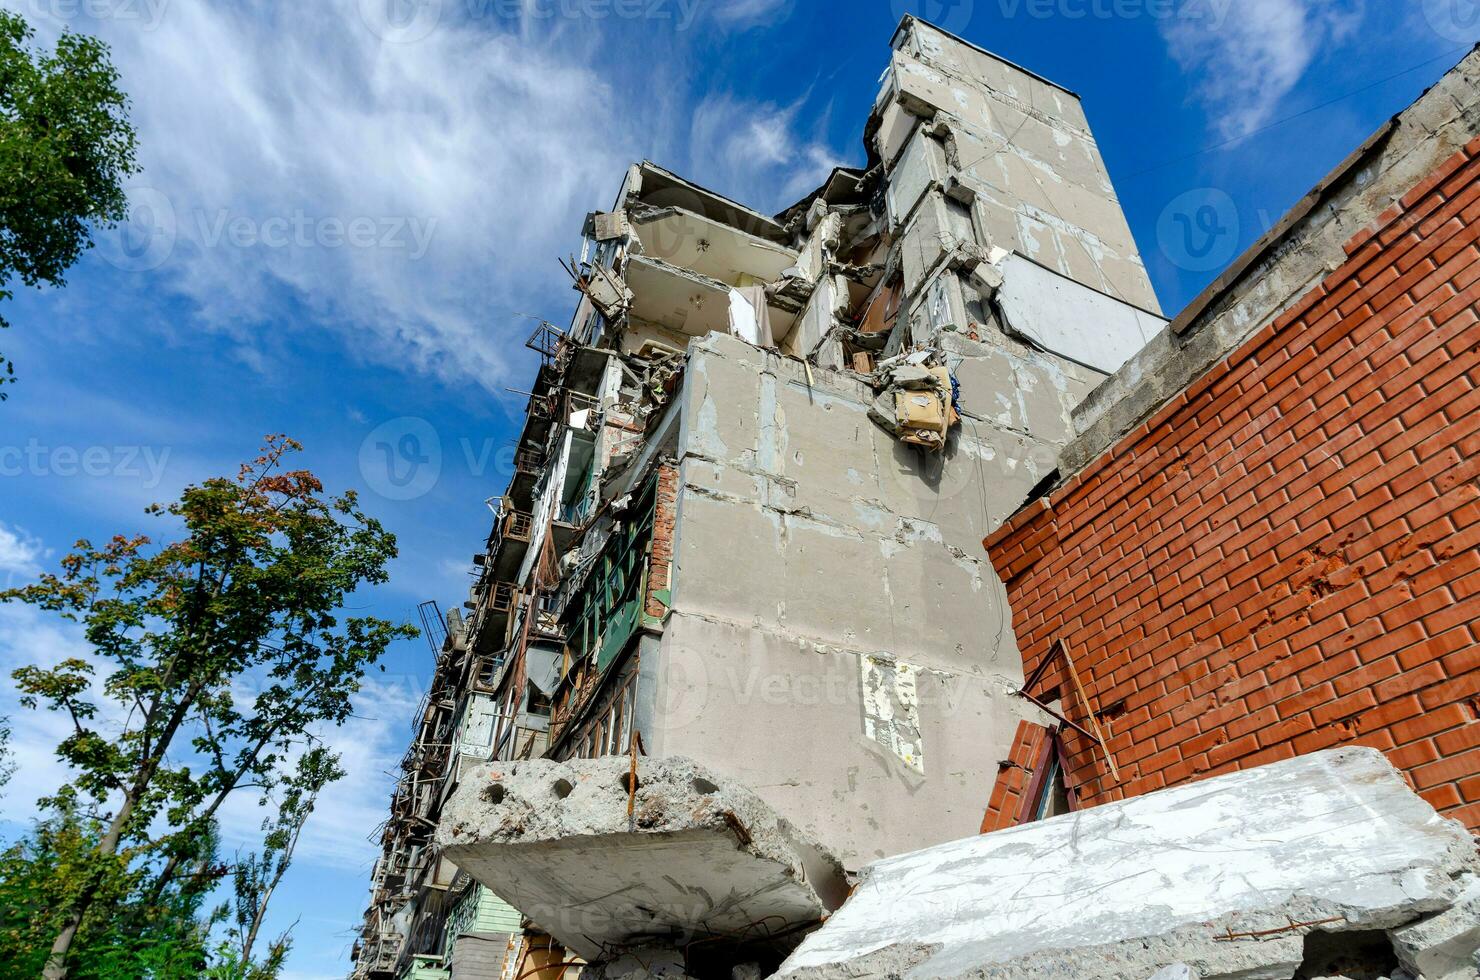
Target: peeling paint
[(891, 714)]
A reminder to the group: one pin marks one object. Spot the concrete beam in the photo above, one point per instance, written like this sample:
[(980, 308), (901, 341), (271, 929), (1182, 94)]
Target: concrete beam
[(606, 868)]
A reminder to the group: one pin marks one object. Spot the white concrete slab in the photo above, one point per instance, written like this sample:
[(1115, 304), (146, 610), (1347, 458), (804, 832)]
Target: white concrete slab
[(1071, 319), (1147, 883)]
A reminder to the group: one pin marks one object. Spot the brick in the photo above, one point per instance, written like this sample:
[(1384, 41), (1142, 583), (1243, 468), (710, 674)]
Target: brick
[(1447, 770), (1442, 797), (1342, 708), (1233, 750), (1459, 740), (1430, 722), (1414, 754)]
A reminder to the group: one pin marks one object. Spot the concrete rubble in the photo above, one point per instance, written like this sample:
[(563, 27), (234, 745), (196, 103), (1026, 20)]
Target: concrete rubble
[(1325, 865), (685, 858)]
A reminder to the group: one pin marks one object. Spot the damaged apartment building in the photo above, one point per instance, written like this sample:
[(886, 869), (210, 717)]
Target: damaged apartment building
[(735, 650)]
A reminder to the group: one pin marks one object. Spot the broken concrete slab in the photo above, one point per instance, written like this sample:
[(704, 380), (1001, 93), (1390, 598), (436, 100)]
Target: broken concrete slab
[(1230, 877), (1444, 946), (604, 867)]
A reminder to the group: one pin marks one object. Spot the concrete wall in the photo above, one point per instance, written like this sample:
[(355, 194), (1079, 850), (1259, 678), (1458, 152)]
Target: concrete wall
[(1019, 147), (835, 643)]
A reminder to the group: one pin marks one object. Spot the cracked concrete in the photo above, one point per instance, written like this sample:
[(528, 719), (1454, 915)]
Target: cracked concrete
[(606, 867), (1229, 878)]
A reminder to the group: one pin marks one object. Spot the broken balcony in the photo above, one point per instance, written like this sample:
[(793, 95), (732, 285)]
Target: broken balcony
[(678, 854), (494, 614), (529, 464), (511, 537), (673, 304), (649, 187)]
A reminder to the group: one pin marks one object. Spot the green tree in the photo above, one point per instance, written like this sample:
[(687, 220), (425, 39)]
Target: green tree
[(257, 876), (221, 652), (7, 763), (124, 938), (66, 147)]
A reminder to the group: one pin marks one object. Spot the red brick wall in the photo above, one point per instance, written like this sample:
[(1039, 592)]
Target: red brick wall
[(1286, 558), (1014, 781), (660, 562)]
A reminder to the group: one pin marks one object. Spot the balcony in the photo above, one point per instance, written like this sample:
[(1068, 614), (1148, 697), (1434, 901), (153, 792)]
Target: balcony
[(511, 537), (529, 465), (498, 605)]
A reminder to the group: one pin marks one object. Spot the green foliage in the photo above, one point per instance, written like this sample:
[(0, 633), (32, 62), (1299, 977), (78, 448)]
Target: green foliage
[(66, 146), (7, 764), (222, 650), (257, 876), (125, 938)]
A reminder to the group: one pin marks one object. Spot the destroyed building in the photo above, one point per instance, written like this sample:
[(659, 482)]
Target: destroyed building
[(734, 636)]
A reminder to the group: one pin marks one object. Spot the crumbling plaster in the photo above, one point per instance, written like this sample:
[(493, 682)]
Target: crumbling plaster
[(810, 548)]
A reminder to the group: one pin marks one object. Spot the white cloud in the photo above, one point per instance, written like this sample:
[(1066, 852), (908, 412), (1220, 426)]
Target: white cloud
[(410, 194), (753, 153), (20, 554), (302, 171), (1248, 56), (745, 13)]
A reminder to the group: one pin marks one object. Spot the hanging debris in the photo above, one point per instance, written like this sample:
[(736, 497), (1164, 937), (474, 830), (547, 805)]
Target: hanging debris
[(917, 402)]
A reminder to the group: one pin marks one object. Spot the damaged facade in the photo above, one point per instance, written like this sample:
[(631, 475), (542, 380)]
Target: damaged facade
[(733, 636)]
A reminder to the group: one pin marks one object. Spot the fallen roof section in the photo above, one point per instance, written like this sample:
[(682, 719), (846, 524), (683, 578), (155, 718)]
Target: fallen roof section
[(1228, 878)]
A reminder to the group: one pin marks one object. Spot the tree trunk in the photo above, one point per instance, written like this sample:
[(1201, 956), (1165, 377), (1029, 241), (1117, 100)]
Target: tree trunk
[(56, 961)]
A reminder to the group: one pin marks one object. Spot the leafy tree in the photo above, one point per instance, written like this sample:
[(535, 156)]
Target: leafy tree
[(256, 877), (221, 652), (7, 764), (66, 147), (123, 938)]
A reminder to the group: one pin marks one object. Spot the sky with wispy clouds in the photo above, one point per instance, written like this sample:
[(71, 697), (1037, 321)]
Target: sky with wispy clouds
[(351, 209)]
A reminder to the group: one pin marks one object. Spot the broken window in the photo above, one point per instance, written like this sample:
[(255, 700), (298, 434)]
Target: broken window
[(607, 610)]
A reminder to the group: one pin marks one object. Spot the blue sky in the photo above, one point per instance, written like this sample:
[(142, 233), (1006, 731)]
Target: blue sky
[(350, 208)]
